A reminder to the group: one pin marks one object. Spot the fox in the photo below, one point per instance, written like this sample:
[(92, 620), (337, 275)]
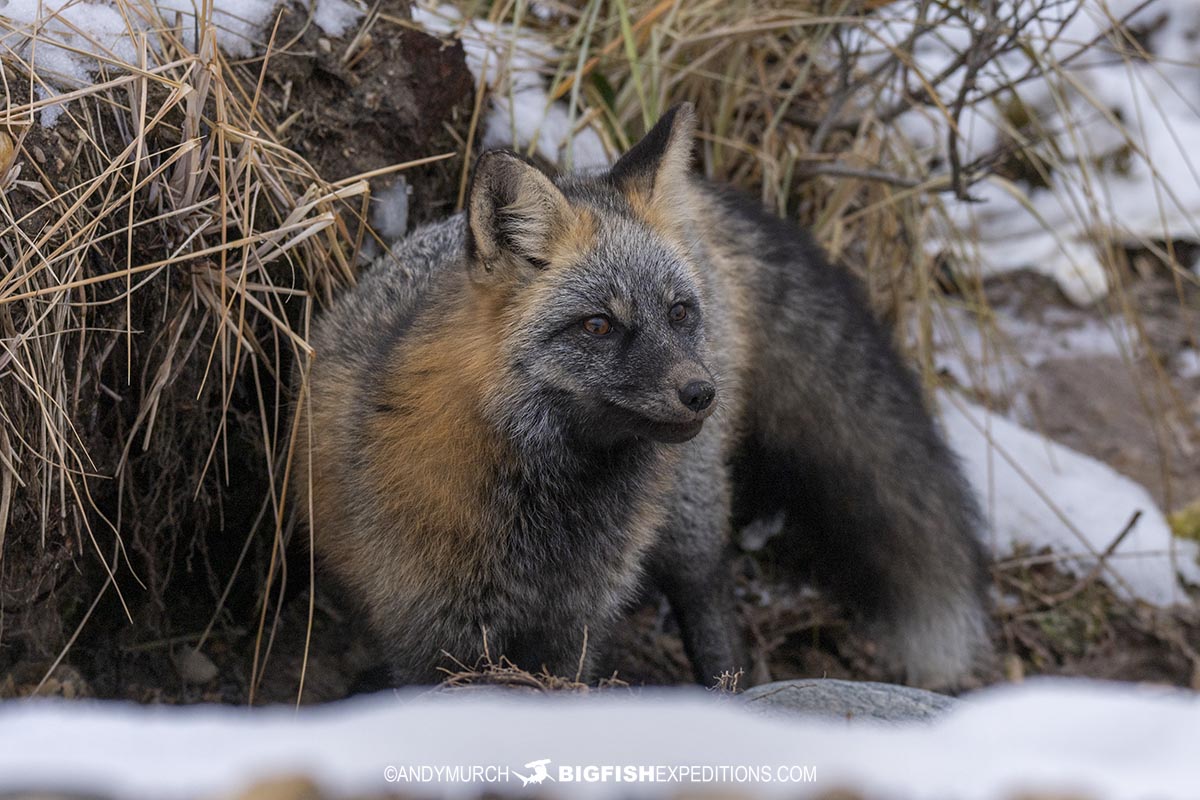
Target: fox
[(582, 385)]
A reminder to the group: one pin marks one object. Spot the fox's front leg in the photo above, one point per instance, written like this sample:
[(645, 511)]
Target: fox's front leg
[(692, 564)]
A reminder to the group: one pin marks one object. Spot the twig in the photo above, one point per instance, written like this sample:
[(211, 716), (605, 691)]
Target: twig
[(1094, 573)]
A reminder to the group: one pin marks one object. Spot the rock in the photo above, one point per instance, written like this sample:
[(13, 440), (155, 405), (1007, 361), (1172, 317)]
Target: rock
[(195, 667), (846, 700), (8, 152)]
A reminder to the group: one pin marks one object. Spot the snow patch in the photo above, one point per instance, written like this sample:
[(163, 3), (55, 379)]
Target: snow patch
[(1039, 493), (336, 17), (1046, 737), (514, 64), (1127, 170), (389, 211), (239, 24), (67, 42), (1187, 364), (993, 353)]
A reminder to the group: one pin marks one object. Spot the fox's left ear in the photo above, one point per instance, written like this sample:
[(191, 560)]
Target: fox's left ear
[(656, 168)]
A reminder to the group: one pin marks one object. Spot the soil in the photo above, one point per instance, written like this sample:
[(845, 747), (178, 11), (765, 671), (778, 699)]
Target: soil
[(349, 111), (368, 101)]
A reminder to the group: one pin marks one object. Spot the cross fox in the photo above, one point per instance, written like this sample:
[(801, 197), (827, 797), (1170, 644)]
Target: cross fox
[(586, 382)]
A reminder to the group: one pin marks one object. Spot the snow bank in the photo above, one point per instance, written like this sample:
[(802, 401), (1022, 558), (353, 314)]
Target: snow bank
[(1124, 132), (513, 63), (68, 41), (1056, 737), (1039, 493)]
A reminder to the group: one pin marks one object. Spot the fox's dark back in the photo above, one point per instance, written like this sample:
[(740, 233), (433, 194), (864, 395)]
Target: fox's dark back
[(836, 434)]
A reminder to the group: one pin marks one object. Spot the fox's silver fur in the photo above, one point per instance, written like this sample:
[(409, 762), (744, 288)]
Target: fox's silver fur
[(512, 427)]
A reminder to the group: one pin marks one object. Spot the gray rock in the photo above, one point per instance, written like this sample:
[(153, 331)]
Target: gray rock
[(846, 700), (195, 667)]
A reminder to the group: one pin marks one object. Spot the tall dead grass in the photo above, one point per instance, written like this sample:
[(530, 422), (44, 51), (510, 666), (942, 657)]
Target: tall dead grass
[(163, 254)]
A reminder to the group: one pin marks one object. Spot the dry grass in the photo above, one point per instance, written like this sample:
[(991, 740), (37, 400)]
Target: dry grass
[(501, 673), (799, 103), (163, 256)]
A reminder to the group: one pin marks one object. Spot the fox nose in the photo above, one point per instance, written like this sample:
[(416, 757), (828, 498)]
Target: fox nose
[(697, 395)]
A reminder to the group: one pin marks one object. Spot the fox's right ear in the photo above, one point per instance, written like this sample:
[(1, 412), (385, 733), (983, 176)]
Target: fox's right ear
[(515, 215), (657, 167)]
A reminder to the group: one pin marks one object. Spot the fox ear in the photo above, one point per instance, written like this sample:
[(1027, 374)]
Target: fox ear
[(515, 213), (657, 167)]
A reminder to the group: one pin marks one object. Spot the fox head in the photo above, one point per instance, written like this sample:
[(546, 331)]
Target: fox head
[(597, 282)]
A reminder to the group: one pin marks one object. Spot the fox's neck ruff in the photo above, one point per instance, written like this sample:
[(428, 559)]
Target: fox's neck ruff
[(436, 453), (462, 445)]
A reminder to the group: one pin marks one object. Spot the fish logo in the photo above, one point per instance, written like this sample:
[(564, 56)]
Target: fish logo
[(539, 774)]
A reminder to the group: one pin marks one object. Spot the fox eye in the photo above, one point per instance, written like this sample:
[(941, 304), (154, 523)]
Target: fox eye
[(678, 313), (597, 326)]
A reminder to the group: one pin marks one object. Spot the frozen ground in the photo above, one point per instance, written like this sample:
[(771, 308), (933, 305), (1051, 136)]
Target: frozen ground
[(1053, 738)]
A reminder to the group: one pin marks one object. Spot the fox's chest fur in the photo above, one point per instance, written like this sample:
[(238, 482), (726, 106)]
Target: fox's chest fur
[(484, 512)]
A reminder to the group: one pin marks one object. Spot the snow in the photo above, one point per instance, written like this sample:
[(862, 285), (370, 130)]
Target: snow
[(514, 63), (993, 353), (336, 17), (389, 211), (1124, 169), (239, 24), (1054, 737), (1188, 364), (98, 30), (68, 41), (1039, 493)]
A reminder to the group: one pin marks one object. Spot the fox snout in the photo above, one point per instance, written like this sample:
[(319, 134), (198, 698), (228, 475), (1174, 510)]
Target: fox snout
[(678, 414), (672, 411), (692, 386), (697, 396)]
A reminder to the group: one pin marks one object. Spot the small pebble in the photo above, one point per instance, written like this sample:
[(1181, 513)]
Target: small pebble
[(195, 667), (8, 151)]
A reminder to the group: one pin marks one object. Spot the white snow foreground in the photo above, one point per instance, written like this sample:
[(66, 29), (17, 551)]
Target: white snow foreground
[(1057, 737), (1039, 493)]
